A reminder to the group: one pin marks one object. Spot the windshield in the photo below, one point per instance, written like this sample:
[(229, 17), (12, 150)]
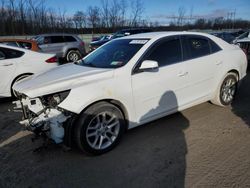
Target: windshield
[(115, 54)]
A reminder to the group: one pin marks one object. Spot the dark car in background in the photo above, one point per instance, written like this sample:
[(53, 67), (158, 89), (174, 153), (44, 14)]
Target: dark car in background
[(124, 32), (244, 36), (65, 46), (98, 42), (226, 36)]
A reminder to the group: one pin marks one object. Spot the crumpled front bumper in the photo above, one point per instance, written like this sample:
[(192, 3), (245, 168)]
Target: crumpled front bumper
[(42, 120)]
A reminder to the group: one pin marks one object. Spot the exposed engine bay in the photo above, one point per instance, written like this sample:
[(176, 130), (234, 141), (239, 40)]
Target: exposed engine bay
[(42, 115)]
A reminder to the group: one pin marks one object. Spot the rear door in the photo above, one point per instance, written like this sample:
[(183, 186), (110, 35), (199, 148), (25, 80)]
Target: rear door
[(53, 44), (202, 63), (158, 92), (8, 64), (57, 44)]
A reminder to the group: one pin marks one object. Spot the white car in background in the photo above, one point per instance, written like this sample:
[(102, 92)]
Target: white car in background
[(128, 82), (17, 63)]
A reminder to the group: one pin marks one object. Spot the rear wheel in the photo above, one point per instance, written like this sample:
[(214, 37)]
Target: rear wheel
[(227, 91), (73, 56), (99, 128)]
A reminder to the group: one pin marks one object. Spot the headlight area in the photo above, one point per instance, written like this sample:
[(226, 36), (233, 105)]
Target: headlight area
[(43, 116)]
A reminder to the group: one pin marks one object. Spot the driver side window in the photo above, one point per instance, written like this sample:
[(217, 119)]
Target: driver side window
[(166, 52)]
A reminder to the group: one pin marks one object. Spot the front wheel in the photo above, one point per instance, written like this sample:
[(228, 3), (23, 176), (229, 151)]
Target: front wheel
[(99, 128), (227, 90)]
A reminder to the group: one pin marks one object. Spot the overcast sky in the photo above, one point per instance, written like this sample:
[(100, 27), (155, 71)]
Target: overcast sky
[(159, 10)]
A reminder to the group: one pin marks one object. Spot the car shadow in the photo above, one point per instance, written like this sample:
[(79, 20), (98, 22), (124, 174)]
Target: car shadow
[(152, 155), (241, 104)]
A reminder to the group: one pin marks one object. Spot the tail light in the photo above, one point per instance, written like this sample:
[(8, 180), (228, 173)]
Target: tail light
[(52, 60), (82, 43)]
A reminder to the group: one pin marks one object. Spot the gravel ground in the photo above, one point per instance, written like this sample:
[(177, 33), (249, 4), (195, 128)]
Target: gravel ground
[(204, 146)]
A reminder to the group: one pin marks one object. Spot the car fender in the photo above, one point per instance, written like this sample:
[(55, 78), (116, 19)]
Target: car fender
[(68, 47), (82, 97)]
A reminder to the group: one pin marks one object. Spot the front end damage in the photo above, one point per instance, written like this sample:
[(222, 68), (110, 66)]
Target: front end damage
[(42, 115)]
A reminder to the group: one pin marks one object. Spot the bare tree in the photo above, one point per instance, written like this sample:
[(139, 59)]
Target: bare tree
[(105, 13), (181, 16), (93, 17), (79, 20), (3, 17), (137, 9)]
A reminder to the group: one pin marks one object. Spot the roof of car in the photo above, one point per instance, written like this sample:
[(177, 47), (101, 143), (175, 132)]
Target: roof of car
[(16, 40), (158, 35), (152, 35), (14, 48)]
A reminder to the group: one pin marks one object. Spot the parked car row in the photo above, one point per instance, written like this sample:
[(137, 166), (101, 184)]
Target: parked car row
[(125, 32), (244, 42), (229, 36), (241, 38), (67, 47)]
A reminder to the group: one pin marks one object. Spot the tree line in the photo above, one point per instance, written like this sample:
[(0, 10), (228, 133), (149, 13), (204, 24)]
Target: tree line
[(29, 17), (19, 17)]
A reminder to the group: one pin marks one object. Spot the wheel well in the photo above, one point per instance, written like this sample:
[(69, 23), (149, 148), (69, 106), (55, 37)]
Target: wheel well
[(235, 72), (24, 74), (75, 49), (116, 103)]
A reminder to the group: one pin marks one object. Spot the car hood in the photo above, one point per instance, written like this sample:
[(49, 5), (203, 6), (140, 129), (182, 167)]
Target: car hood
[(61, 78)]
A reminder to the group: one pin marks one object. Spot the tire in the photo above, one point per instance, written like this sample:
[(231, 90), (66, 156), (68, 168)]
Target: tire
[(225, 94), (13, 93), (100, 128), (73, 56)]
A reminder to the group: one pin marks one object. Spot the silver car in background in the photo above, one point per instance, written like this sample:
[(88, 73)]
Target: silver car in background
[(66, 46)]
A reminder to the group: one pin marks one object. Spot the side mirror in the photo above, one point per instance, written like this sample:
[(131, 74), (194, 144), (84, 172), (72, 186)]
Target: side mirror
[(148, 65)]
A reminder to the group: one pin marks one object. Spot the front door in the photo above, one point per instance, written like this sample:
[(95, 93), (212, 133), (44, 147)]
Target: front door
[(158, 92)]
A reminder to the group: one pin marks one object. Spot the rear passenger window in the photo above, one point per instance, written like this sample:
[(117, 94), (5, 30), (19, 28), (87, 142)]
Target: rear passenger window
[(69, 39), (167, 52), (57, 39), (198, 47)]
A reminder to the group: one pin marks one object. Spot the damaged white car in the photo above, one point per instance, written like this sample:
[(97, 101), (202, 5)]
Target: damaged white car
[(129, 82)]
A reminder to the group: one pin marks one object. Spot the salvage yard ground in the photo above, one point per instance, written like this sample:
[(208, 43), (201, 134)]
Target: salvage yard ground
[(204, 146)]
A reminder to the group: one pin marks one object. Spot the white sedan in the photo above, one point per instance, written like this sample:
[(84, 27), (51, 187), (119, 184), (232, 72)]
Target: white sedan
[(18, 63), (128, 82)]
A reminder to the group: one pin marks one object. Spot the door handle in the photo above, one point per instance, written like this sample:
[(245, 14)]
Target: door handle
[(181, 74), (7, 64)]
